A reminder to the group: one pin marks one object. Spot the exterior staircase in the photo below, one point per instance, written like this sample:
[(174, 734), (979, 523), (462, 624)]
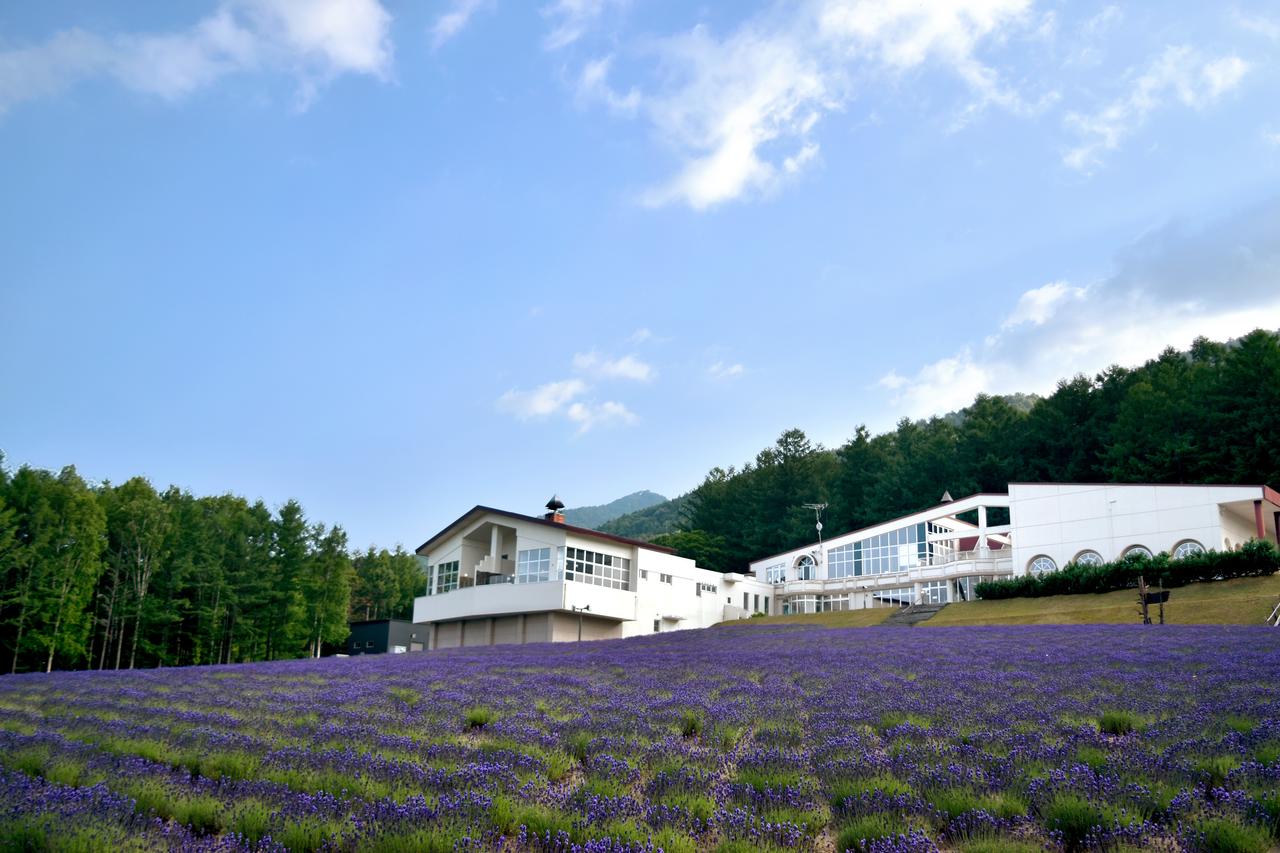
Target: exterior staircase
[(909, 616)]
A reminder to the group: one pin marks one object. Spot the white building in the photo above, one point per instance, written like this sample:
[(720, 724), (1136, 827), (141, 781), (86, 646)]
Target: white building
[(502, 577), (938, 555)]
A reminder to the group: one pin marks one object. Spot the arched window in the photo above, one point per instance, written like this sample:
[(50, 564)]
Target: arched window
[(1042, 564), (1187, 548), (1088, 558), (1138, 551), (806, 570)]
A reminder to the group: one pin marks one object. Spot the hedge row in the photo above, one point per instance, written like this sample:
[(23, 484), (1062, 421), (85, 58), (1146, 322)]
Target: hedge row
[(1254, 559)]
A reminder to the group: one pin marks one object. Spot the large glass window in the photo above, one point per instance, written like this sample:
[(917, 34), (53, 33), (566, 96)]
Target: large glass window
[(813, 603), (1042, 564), (900, 596), (533, 565), (966, 588), (840, 563), (1088, 558), (885, 553), (446, 576), (1138, 551), (1190, 548), (934, 592), (776, 573), (805, 568), (593, 567)]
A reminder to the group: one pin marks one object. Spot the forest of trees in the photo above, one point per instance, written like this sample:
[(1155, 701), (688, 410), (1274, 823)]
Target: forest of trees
[(122, 576), (1204, 416)]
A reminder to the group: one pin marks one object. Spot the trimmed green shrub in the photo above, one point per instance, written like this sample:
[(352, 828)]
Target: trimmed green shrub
[(1257, 558), (1118, 722), (479, 717)]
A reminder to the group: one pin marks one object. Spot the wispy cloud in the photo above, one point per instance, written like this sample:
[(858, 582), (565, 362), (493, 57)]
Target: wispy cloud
[(455, 20), (1180, 74), (1168, 288), (543, 401), (572, 18), (573, 399), (627, 367), (593, 86), (1258, 24), (590, 415), (314, 40), (740, 109), (724, 370), (641, 335)]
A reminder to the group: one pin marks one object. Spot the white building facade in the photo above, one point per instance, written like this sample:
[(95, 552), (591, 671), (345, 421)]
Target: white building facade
[(499, 577), (939, 555)]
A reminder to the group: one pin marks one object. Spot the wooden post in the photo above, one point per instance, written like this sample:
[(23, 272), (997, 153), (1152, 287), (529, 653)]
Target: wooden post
[(1142, 599)]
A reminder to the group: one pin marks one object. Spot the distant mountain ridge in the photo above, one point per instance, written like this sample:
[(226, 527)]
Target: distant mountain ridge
[(649, 522), (595, 516)]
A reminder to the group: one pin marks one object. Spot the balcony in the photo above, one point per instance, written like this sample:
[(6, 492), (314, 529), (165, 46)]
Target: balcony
[(966, 564), (500, 597)]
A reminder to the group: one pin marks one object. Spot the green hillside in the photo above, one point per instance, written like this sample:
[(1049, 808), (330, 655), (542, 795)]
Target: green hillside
[(595, 516), (649, 522)]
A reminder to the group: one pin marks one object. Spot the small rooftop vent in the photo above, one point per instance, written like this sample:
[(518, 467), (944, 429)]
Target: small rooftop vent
[(946, 497), (553, 510)]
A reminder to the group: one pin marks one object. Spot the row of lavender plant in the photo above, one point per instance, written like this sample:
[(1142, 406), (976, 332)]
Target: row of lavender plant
[(744, 738)]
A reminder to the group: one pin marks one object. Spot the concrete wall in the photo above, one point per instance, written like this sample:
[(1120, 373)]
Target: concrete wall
[(508, 629), (565, 628), (448, 635), (537, 628)]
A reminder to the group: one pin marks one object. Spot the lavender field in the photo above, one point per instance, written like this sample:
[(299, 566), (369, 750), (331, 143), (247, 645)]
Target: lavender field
[(745, 738)]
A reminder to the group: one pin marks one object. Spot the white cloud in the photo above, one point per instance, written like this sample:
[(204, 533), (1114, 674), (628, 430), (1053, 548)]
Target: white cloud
[(1272, 136), (590, 415), (593, 85), (452, 22), (892, 381), (641, 335), (740, 110), (571, 399), (572, 19), (543, 401), (721, 370), (1180, 73), (626, 367), (314, 40), (1102, 22), (1257, 24), (1038, 305), (1168, 288)]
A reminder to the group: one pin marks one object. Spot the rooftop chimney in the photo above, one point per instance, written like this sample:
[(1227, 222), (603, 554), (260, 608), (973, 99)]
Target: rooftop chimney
[(554, 506)]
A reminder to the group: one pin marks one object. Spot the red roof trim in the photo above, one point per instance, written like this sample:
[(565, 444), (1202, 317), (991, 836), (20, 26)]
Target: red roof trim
[(1150, 485), (581, 531)]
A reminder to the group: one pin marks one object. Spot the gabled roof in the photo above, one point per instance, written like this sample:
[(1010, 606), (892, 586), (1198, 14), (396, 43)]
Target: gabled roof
[(533, 519)]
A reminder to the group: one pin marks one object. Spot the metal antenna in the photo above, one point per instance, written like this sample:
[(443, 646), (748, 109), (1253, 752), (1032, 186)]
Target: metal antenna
[(817, 516)]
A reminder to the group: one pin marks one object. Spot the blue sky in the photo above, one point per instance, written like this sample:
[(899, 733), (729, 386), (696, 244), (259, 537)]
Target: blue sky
[(395, 259)]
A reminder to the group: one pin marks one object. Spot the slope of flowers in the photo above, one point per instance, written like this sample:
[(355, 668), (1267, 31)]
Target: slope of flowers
[(786, 737)]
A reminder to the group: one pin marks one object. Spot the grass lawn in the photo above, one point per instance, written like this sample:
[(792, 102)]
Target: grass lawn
[(1246, 601)]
